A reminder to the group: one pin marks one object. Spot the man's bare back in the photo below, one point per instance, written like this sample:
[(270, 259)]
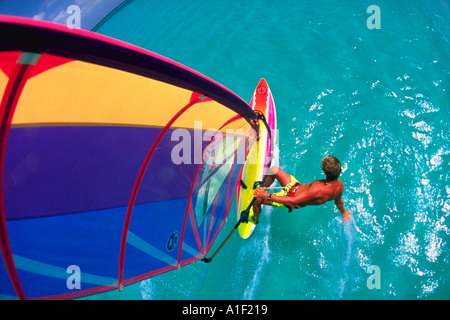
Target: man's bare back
[(315, 193), (320, 191)]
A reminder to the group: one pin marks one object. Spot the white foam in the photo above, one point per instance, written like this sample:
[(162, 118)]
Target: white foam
[(264, 248), (349, 232), (146, 289)]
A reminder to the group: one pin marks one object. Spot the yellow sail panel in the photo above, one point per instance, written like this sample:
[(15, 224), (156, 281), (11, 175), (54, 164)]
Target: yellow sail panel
[(211, 116), (3, 83), (80, 93)]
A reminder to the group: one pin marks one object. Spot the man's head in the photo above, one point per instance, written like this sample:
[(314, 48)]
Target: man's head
[(331, 167)]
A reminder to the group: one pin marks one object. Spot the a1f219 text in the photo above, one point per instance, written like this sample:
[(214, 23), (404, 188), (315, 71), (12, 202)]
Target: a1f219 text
[(236, 309)]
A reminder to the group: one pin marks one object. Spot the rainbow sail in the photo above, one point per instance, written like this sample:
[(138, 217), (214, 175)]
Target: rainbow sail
[(114, 162)]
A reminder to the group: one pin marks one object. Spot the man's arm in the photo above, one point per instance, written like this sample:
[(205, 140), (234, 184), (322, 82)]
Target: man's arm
[(340, 205), (298, 199)]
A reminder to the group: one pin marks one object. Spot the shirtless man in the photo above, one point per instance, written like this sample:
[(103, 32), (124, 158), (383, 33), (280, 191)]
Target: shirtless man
[(296, 195)]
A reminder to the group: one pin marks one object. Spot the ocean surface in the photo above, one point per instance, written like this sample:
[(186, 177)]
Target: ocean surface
[(377, 99)]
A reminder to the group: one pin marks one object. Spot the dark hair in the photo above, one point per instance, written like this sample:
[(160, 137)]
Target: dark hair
[(331, 167)]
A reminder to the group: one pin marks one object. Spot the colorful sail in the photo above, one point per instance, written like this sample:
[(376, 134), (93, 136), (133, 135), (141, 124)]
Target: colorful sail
[(116, 164)]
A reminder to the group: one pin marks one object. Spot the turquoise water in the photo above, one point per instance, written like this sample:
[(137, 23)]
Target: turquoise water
[(378, 99)]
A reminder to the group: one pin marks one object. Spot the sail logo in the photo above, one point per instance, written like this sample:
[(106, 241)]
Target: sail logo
[(173, 241)]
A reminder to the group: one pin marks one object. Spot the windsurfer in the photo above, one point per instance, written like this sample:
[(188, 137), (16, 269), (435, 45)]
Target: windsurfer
[(296, 195)]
